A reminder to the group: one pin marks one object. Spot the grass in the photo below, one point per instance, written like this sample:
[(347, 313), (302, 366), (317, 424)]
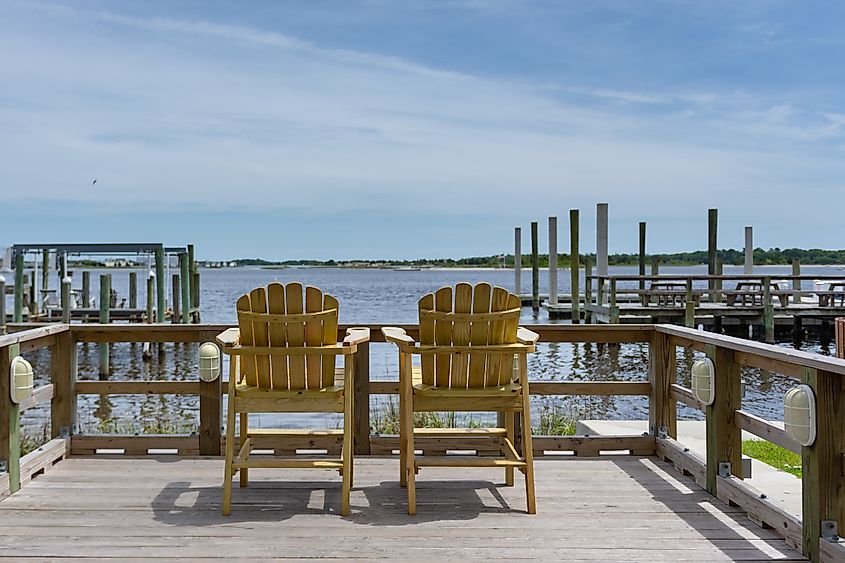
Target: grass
[(773, 455)]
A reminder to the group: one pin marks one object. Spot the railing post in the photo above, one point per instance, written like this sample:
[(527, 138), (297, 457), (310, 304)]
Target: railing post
[(3, 305), (600, 291), (133, 290), (796, 283), (66, 300), (588, 290), (105, 302), (724, 439), (614, 310), (662, 410), (574, 265), (18, 313), (63, 377), (840, 337), (10, 421), (535, 269), (159, 265), (689, 317), (186, 287), (176, 300), (211, 408), (361, 401), (823, 484), (768, 310)]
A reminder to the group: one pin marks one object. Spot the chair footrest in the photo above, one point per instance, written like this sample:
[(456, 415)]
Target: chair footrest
[(465, 461), (288, 463), (292, 432), (460, 432)]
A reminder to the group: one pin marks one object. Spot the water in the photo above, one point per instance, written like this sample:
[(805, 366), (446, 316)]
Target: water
[(387, 296)]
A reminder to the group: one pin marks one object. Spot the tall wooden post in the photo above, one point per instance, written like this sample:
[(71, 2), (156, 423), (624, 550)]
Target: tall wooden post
[(839, 330), (10, 421), (655, 266), (63, 367), (588, 290), (601, 239), (712, 248), (724, 443), (662, 410), (768, 310), (689, 317), (186, 287), (517, 261), (66, 299), (18, 314), (796, 283), (86, 289), (175, 300), (2, 305), (160, 305), (62, 266), (553, 260), (32, 306), (574, 265), (105, 301), (45, 269), (195, 292), (535, 268), (614, 310), (749, 251), (823, 483), (642, 254), (133, 290), (147, 353), (211, 407)]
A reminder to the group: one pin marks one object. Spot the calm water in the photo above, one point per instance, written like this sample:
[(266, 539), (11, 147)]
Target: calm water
[(387, 296)]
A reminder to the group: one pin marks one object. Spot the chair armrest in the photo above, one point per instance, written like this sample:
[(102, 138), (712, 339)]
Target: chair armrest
[(397, 336), (525, 336), (356, 335), (229, 337)]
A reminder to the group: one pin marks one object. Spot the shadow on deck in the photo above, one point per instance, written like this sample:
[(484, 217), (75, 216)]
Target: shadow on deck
[(609, 508)]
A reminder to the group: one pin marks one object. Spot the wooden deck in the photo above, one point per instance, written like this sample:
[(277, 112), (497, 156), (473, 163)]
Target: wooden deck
[(612, 508)]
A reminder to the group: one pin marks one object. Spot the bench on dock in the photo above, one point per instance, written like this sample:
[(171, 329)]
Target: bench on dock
[(828, 298), (668, 294)]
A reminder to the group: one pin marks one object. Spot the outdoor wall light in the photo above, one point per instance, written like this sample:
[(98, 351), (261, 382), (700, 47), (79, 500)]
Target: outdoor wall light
[(22, 380), (209, 361), (799, 414), (703, 373)]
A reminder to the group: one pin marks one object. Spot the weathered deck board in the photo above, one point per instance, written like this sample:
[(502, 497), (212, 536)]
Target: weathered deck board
[(625, 508)]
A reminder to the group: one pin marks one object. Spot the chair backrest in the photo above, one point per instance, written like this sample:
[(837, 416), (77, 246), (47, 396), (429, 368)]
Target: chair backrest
[(278, 316), (477, 316)]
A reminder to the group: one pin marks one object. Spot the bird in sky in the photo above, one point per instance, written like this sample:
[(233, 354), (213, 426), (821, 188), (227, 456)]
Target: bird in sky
[(94, 182)]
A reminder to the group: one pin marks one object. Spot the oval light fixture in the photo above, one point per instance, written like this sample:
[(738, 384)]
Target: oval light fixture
[(209, 355), (21, 379), (799, 414), (703, 372)]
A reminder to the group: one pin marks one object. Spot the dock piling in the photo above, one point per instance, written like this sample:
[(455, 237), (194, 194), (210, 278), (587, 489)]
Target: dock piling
[(86, 289), (689, 316), (601, 239), (175, 300), (574, 265), (2, 305), (712, 249), (642, 253), (184, 268), (614, 310), (768, 311), (749, 251), (553, 260), (796, 283), (535, 269), (18, 314), (655, 266), (588, 290), (517, 260), (160, 302), (133, 290), (66, 299), (105, 300)]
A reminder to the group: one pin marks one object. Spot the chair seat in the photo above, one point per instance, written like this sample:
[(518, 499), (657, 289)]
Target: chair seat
[(249, 392)]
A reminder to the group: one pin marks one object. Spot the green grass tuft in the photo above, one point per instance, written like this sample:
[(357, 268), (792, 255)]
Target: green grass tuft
[(773, 455)]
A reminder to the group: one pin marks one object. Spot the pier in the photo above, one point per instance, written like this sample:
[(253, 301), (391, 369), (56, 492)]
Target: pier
[(638, 498)]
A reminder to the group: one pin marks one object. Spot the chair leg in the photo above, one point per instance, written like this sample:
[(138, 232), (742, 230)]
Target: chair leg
[(527, 446), (403, 439), (230, 444), (244, 474), (347, 455), (407, 429), (510, 434)]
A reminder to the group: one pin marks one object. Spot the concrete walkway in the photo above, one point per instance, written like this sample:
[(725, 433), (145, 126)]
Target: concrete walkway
[(780, 487)]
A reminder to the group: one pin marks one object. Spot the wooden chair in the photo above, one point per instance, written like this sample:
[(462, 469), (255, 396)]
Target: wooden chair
[(287, 358), (467, 349)]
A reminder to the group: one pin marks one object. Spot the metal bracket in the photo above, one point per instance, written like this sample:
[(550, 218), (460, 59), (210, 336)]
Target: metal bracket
[(724, 469), (64, 432), (4, 466), (663, 432), (830, 530)]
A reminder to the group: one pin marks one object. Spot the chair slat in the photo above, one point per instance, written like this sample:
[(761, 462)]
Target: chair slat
[(460, 335), (511, 328), (478, 334), (278, 338), (427, 337), (329, 337), (258, 304), (296, 335), (247, 364), (499, 302), (442, 335), (313, 336)]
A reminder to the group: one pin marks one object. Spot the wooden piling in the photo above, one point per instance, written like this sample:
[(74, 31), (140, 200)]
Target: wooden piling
[(553, 260), (655, 266), (712, 248), (33, 298), (66, 299), (768, 311), (133, 290), (796, 283), (184, 268), (45, 269), (689, 314), (749, 251), (588, 290), (535, 269), (2, 305), (195, 293), (175, 300), (160, 302), (614, 310), (18, 313), (105, 300), (517, 260), (840, 337), (642, 254), (147, 353), (86, 289), (601, 239), (62, 267), (718, 283), (574, 265)]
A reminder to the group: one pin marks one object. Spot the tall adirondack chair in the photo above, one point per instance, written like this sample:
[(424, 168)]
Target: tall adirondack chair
[(282, 359), (467, 350)]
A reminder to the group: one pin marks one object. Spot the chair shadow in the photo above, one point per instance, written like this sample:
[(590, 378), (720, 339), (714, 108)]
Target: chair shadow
[(180, 503), (712, 528)]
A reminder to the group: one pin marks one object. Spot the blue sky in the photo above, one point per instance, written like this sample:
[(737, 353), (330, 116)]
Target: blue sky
[(407, 129)]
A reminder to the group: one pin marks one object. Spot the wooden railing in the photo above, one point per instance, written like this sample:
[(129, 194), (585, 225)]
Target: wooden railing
[(840, 337), (823, 483)]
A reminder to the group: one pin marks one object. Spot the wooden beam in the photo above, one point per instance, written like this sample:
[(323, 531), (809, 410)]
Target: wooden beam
[(764, 429), (88, 387), (724, 443), (662, 410)]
